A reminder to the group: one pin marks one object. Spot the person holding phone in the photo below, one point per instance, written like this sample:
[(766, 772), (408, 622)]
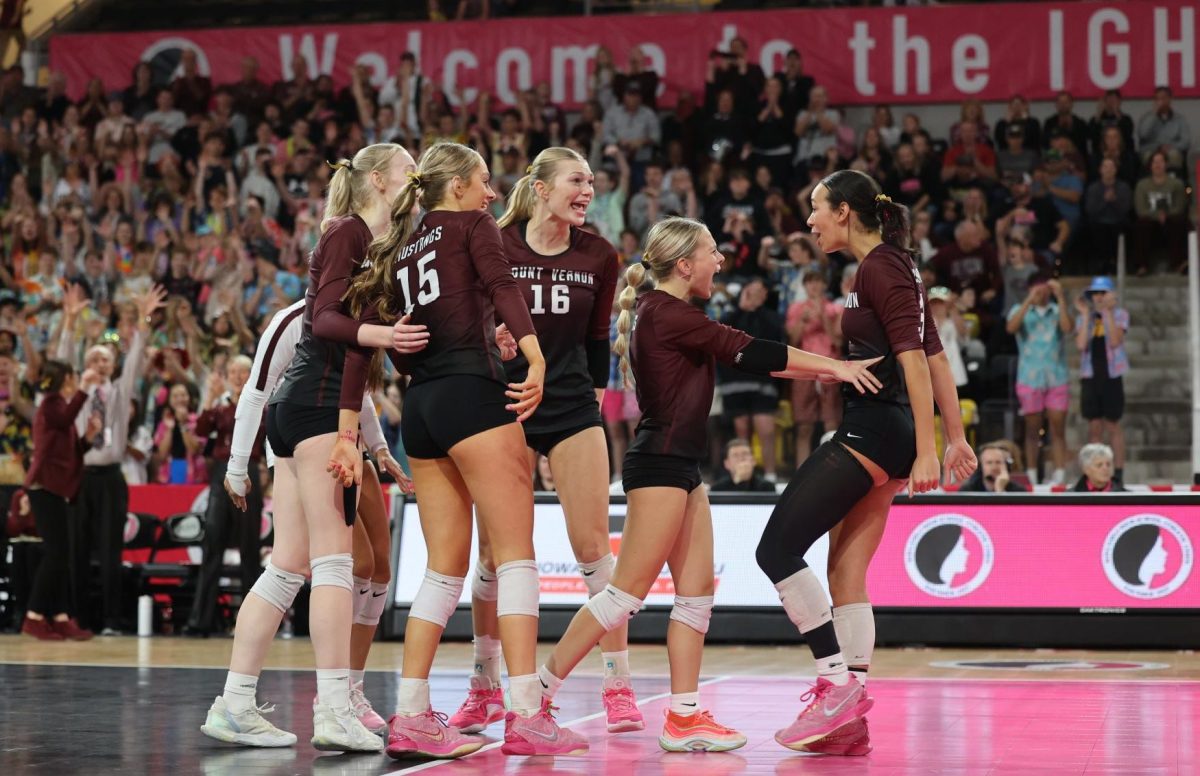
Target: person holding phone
[(1100, 331)]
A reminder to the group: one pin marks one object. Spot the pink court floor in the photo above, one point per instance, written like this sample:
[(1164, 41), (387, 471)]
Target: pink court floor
[(917, 727), (128, 706)]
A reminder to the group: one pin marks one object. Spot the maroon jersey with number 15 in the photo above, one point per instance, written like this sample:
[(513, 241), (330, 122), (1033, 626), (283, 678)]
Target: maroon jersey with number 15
[(453, 277)]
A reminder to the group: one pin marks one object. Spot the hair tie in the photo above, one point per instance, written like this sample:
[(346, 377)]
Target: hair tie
[(883, 198), (340, 165), (414, 178), (44, 384), (529, 169)]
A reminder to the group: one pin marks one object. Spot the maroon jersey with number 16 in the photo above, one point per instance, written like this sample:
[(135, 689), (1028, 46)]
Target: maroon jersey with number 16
[(569, 296)]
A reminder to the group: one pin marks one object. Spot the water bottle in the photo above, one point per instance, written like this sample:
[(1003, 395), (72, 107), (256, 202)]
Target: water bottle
[(145, 620)]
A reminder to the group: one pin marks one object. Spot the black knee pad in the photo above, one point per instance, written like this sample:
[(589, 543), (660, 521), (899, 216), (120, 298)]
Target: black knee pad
[(820, 494)]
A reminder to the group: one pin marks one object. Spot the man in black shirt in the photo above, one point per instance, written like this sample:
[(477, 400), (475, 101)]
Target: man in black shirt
[(740, 475)]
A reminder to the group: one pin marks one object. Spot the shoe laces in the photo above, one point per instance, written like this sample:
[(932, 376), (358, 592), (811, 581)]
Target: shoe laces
[(358, 701), (620, 700), (476, 700), (815, 695)]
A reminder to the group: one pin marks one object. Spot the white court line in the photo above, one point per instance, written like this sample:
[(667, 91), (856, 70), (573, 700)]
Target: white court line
[(581, 720)]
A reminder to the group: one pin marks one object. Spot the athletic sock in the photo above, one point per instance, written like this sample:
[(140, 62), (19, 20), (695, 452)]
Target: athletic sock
[(616, 663), (525, 694), (550, 683), (487, 658), (333, 687), (685, 704), (413, 697), (239, 691)]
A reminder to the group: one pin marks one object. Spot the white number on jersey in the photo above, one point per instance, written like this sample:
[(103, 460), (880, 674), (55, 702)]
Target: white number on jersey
[(428, 287), (560, 299)]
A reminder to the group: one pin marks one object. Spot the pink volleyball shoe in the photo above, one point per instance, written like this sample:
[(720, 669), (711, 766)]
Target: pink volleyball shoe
[(830, 707)]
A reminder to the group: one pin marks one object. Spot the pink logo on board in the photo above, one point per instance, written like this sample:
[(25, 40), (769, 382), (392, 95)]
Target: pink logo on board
[(948, 556), (1147, 556)]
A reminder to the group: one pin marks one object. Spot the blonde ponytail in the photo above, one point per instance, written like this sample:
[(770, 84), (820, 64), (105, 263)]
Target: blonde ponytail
[(340, 199), (633, 280), (667, 242), (350, 185), (523, 197)]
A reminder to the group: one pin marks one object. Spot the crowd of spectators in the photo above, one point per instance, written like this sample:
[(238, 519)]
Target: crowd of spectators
[(214, 192)]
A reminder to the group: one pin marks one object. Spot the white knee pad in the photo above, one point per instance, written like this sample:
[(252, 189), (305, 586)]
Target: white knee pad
[(804, 600), (855, 628), (333, 571), (372, 608), (597, 574), (437, 598), (693, 611), (278, 587), (613, 607), (517, 588), (483, 584)]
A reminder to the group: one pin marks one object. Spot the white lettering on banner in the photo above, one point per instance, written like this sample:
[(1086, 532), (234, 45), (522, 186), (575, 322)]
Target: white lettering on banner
[(773, 55), (1184, 46), (509, 58), (728, 33), (970, 53), (1099, 51), (861, 44), (308, 50), (1056, 50), (454, 60), (903, 54), (578, 58), (902, 46), (656, 60), (377, 66)]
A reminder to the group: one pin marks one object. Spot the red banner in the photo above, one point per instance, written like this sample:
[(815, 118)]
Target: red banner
[(862, 55)]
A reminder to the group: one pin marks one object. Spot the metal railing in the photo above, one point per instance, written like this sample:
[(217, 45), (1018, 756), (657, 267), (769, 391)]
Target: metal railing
[(1194, 350)]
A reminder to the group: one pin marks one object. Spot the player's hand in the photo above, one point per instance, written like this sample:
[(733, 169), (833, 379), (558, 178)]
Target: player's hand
[(408, 337), (345, 463), (858, 374), (237, 492), (960, 461), (924, 476), (506, 342), (527, 396), (392, 467)]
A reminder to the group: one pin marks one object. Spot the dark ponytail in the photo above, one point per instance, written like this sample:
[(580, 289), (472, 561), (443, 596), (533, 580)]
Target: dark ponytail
[(875, 210)]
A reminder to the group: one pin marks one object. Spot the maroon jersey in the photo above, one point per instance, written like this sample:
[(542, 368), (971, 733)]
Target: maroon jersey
[(314, 377), (886, 314), (674, 356), (453, 277), (569, 296)]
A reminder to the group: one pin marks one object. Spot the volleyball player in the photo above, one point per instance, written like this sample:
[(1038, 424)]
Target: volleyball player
[(302, 426), (885, 440), (259, 617), (449, 271), (674, 351), (568, 278)]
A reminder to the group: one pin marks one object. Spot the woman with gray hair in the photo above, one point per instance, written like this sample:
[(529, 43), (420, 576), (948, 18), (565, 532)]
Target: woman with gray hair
[(1096, 460)]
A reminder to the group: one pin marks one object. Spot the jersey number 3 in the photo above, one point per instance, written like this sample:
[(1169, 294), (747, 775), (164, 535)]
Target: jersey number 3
[(560, 299), (428, 288)]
